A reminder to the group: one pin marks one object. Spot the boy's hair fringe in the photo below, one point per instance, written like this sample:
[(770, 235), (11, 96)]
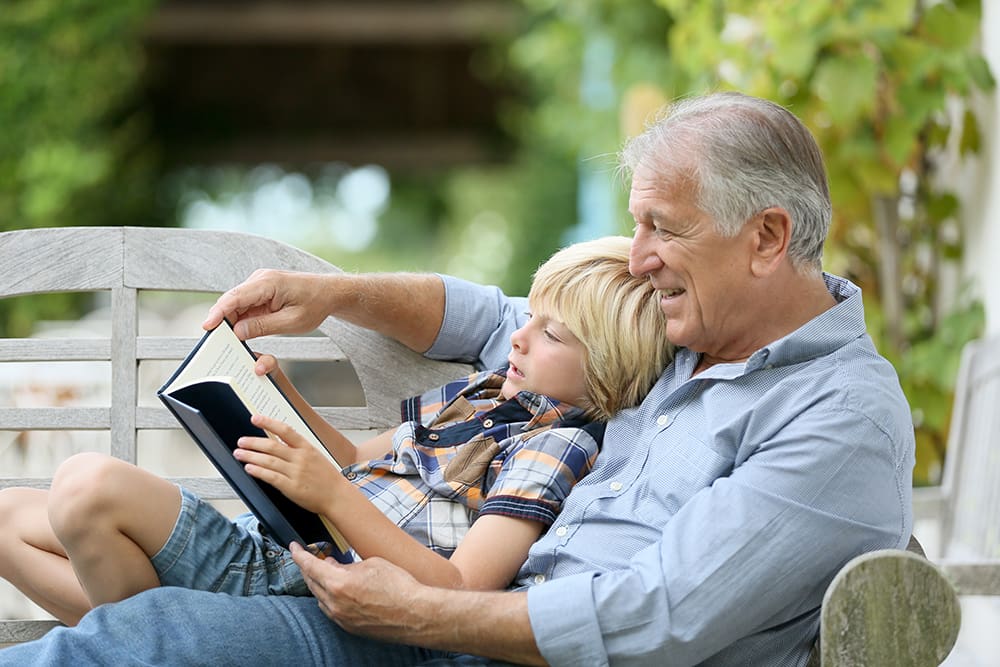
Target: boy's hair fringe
[(616, 316)]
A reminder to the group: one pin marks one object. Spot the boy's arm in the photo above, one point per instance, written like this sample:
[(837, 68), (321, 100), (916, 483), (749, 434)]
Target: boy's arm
[(487, 558), (491, 558)]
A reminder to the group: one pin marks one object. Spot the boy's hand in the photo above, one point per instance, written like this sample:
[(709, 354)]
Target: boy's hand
[(289, 464)]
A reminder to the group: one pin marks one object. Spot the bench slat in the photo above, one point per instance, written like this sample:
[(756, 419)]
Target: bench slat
[(13, 632)]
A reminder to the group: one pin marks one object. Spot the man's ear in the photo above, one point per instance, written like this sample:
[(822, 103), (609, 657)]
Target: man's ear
[(771, 236)]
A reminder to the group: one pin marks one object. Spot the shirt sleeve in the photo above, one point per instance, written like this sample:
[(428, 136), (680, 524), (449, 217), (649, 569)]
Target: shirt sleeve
[(752, 552), (477, 325), (538, 473)]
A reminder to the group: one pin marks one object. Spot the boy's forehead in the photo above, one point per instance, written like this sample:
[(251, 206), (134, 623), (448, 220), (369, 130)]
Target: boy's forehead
[(543, 306)]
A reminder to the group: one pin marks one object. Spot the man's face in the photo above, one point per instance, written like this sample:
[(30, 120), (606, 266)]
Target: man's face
[(703, 277)]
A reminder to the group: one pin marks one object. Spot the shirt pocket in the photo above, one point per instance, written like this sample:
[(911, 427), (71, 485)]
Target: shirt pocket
[(675, 471)]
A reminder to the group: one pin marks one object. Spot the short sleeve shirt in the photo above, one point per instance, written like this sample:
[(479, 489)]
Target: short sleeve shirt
[(463, 451)]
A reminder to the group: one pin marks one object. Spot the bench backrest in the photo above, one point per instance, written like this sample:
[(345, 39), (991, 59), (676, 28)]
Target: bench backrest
[(126, 261), (970, 527)]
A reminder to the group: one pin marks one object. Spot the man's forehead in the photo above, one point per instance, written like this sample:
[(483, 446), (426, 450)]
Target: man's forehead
[(659, 190)]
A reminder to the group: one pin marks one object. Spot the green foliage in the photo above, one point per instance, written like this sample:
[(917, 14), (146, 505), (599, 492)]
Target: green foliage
[(71, 141), (876, 82)]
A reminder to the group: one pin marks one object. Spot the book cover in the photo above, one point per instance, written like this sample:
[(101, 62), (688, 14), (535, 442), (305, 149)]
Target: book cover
[(213, 394)]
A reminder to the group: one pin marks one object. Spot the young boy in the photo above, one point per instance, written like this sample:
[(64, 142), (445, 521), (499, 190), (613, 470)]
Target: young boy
[(476, 471)]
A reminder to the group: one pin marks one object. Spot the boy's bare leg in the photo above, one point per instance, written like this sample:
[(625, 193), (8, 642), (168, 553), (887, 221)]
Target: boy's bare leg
[(111, 518), (33, 560)]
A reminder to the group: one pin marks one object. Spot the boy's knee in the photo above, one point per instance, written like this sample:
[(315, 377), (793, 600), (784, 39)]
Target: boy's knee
[(83, 487)]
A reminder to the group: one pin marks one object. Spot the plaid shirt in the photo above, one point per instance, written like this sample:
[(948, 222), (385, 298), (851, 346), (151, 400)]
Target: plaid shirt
[(462, 451)]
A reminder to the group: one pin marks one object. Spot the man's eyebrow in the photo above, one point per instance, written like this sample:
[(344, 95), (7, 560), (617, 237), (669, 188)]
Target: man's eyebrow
[(654, 213)]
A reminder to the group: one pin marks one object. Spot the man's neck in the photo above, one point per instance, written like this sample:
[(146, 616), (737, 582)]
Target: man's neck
[(781, 312)]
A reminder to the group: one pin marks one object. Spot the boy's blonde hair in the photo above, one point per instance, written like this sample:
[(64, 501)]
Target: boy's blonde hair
[(615, 315)]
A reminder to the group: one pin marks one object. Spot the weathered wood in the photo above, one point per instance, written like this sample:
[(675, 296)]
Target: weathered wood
[(888, 607), (13, 632), (971, 482), (55, 349), (286, 348), (124, 372), (128, 260), (68, 259), (973, 578), (54, 419)]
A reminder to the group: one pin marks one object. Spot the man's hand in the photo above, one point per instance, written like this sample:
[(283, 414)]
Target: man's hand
[(272, 302), (407, 307), (373, 598)]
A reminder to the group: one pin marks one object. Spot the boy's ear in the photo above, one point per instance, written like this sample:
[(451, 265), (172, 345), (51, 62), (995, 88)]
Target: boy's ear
[(772, 233)]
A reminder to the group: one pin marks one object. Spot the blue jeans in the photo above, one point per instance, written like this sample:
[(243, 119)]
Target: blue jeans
[(209, 552), (177, 626)]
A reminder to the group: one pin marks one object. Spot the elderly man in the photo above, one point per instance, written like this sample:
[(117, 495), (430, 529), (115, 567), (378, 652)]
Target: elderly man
[(777, 446)]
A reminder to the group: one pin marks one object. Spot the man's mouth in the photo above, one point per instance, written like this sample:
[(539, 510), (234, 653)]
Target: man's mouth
[(672, 292)]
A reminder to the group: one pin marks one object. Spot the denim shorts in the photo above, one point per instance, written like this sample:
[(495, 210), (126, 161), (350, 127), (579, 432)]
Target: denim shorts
[(209, 552)]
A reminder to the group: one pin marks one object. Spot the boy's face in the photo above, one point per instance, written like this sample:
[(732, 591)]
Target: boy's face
[(546, 359)]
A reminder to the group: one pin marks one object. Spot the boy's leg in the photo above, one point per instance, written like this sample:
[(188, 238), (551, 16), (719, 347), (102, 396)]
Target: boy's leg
[(32, 558), (111, 518)]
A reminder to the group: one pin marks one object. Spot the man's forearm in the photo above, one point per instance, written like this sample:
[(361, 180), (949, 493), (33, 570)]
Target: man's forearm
[(380, 600), (490, 624), (407, 307)]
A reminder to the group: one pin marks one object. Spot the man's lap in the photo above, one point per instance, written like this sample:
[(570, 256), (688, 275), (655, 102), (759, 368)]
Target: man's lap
[(179, 626)]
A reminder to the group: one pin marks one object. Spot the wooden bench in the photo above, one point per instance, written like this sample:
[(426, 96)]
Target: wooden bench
[(877, 606), (125, 262), (898, 608)]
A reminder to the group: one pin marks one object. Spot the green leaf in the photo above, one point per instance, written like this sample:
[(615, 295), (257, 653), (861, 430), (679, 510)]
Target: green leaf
[(980, 72), (970, 140), (847, 85), (948, 27), (900, 139), (942, 206)]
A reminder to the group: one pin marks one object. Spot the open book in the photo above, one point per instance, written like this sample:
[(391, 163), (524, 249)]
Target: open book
[(212, 394)]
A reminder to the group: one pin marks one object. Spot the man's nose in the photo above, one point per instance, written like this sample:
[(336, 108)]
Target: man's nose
[(641, 259)]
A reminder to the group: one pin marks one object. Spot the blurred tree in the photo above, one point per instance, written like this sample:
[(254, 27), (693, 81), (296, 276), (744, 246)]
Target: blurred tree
[(884, 86), (73, 147)]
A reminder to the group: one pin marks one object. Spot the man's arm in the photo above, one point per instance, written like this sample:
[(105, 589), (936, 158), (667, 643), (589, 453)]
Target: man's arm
[(408, 307), (376, 599)]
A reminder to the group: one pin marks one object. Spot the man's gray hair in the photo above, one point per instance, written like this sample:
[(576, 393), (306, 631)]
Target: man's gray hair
[(744, 154)]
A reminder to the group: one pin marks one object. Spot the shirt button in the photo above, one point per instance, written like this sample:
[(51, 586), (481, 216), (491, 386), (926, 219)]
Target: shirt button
[(616, 486), (351, 475), (434, 436), (539, 578), (662, 420), (561, 530), (488, 423)]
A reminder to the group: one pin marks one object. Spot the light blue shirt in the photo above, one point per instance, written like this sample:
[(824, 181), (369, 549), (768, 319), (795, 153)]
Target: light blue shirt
[(719, 509)]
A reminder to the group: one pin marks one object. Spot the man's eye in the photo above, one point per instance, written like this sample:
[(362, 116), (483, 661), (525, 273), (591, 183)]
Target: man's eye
[(662, 233)]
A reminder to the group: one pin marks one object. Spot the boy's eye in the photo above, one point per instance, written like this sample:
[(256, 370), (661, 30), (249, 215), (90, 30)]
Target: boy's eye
[(551, 336)]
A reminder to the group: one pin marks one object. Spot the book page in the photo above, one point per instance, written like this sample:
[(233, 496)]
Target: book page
[(223, 355)]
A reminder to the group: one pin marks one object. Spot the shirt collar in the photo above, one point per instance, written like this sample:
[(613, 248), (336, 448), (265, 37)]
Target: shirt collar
[(819, 336)]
